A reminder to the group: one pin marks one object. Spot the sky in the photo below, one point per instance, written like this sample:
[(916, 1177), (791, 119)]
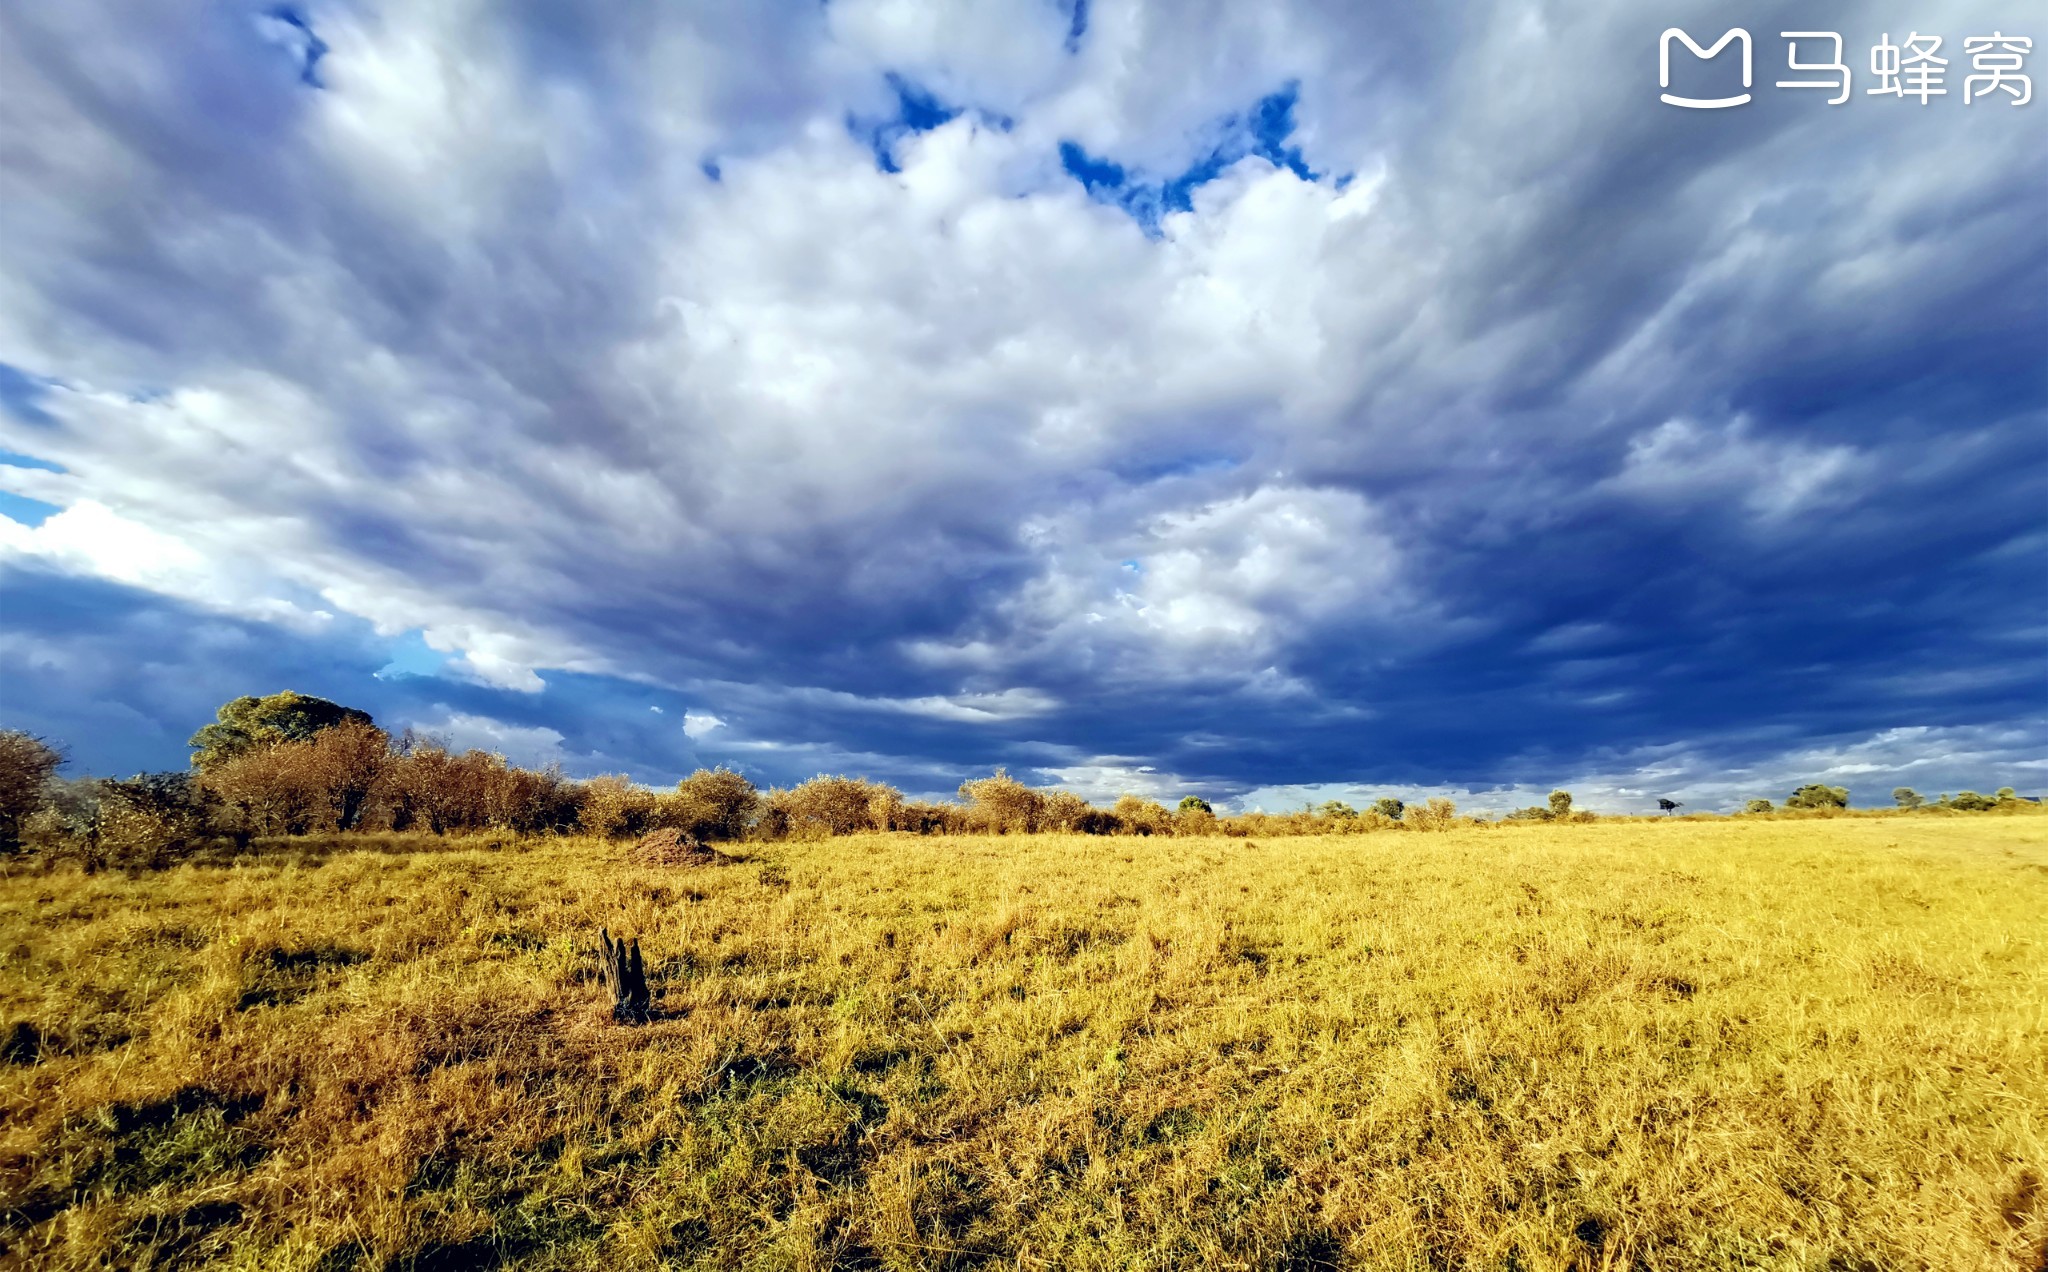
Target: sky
[(1274, 402)]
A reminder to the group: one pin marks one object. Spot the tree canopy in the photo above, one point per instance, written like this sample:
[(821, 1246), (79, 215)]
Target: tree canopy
[(1815, 795), (250, 722)]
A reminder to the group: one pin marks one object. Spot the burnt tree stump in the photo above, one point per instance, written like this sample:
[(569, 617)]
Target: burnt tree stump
[(623, 973)]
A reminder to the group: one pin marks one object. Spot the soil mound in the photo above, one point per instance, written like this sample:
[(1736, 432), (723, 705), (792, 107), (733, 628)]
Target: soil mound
[(673, 848)]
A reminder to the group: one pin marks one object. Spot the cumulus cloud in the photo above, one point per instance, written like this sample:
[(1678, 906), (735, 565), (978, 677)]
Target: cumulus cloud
[(931, 388)]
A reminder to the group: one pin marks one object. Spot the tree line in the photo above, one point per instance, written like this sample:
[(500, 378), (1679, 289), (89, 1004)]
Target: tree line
[(294, 765)]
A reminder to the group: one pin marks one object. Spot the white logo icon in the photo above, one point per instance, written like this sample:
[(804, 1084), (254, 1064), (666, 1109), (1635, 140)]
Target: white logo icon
[(1706, 54)]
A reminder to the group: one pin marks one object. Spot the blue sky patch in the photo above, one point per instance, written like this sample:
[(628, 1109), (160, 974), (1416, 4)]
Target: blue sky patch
[(29, 512), (412, 656), (289, 29), (1263, 131), (917, 110)]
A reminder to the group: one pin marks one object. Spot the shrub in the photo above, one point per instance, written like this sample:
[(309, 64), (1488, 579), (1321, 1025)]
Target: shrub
[(1972, 802), (267, 790), (885, 807), (1560, 805), (27, 763), (826, 806), (711, 804), (1757, 806), (1815, 795), (1067, 811), (428, 785), (1389, 808), (1003, 805), (614, 808), (1436, 814), (1194, 803), (1907, 797), (150, 820), (1137, 815), (1195, 821), (346, 762), (920, 817), (530, 801), (1097, 821), (66, 823)]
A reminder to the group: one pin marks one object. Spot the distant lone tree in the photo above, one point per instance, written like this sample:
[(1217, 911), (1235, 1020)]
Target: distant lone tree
[(1560, 805), (1757, 806), (248, 723), (1337, 810), (1389, 808), (1669, 805), (1815, 795), (1195, 804), (2007, 795), (1907, 797)]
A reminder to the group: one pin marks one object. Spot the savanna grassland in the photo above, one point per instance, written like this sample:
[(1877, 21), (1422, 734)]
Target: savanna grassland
[(1814, 1044)]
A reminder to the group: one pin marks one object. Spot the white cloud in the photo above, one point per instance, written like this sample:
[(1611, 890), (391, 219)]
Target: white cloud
[(1104, 779), (1680, 462), (531, 745), (697, 724)]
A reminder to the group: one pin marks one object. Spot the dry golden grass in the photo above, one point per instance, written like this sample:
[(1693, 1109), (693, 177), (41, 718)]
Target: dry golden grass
[(1811, 1044)]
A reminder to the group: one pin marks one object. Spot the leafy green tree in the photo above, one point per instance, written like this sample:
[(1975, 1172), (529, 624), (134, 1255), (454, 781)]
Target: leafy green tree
[(1389, 808), (249, 722), (2007, 795), (1560, 805), (1815, 795), (26, 765), (1757, 806), (1195, 804), (1907, 797), (1972, 802)]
